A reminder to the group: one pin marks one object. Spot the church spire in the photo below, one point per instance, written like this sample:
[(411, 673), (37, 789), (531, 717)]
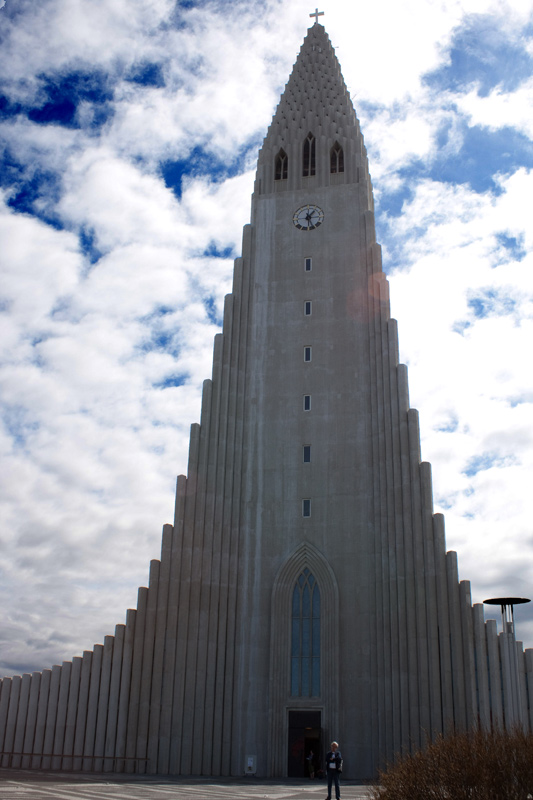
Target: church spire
[(315, 105)]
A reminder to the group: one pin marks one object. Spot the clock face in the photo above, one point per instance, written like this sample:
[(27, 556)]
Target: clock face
[(308, 217)]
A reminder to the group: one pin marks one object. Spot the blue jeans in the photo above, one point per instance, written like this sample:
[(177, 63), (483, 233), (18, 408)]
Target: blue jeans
[(333, 775)]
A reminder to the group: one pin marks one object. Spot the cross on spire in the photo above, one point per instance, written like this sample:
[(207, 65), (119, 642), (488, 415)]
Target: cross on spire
[(316, 14)]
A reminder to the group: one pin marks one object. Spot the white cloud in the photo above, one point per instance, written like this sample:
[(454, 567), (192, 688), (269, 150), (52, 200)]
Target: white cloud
[(475, 396), (500, 108), (91, 442)]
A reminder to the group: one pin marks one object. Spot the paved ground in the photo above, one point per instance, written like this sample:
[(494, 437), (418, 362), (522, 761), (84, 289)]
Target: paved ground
[(33, 785)]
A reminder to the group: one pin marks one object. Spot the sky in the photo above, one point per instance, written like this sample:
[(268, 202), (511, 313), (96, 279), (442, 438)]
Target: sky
[(129, 133)]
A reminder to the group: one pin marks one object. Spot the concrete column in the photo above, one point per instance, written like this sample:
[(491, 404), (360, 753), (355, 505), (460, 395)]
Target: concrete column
[(159, 648), (92, 706), (103, 702), (456, 642), (61, 717), (222, 631), (194, 676), (204, 525), (522, 687), (180, 722), (125, 685), (148, 657), (432, 619), (506, 642), (390, 574), (443, 624), (5, 692), (495, 677), (529, 682), (31, 719), (468, 654), (22, 712), (167, 755), (481, 667), (114, 694), (51, 714), (222, 651), (81, 716), (214, 530), (410, 580), (11, 722), (136, 676), (380, 740), (421, 603), (40, 724), (400, 513), (72, 711)]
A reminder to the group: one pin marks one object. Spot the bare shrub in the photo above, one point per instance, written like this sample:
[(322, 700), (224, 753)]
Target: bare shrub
[(476, 765)]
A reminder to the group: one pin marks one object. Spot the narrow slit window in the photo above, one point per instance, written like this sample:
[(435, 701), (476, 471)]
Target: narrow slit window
[(307, 453), (281, 166), (307, 354), (308, 264), (307, 308), (306, 508), (337, 158), (309, 156), (307, 402)]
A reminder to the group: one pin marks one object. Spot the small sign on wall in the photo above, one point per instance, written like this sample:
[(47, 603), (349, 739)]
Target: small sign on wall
[(250, 766)]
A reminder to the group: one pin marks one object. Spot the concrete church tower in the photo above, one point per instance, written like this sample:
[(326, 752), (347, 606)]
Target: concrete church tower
[(304, 592)]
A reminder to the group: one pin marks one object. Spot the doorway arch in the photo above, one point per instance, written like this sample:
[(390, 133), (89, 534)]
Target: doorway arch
[(282, 702)]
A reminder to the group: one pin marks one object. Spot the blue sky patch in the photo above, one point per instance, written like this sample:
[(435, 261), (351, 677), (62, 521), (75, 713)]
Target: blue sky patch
[(481, 52), (391, 203), (17, 425), (63, 96), (211, 311), (148, 74), (161, 334), (8, 109), (484, 153), (485, 461), (29, 186), (88, 246), (171, 381), (461, 326), (490, 302), (212, 251), (448, 427), (513, 244), (201, 162)]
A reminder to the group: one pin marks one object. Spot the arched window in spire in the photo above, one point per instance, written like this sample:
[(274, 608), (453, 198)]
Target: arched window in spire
[(336, 158), (305, 637), (281, 166), (309, 160)]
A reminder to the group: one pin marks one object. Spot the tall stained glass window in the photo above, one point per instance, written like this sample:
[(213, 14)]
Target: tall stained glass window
[(305, 637)]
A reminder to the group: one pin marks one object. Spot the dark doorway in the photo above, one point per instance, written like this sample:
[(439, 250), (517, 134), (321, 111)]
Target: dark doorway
[(304, 736)]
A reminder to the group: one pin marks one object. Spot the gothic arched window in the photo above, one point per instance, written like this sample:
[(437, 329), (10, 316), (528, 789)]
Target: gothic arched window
[(305, 637), (337, 158), (280, 172), (309, 160)]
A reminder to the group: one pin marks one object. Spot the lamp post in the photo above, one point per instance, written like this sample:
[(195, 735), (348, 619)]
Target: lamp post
[(509, 660)]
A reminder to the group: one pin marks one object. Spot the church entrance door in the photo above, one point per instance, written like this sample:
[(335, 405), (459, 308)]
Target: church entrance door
[(304, 736)]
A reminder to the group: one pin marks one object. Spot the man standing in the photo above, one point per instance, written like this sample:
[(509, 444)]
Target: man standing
[(334, 769)]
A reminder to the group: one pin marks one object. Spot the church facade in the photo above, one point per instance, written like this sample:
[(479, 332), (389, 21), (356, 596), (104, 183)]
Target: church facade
[(304, 592)]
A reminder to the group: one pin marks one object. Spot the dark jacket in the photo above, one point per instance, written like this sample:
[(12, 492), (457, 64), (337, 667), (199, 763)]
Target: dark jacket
[(336, 757)]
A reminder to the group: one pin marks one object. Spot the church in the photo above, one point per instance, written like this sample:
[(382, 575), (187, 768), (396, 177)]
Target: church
[(304, 592)]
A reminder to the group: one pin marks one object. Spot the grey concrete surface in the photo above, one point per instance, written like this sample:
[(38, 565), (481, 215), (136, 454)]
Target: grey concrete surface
[(15, 784)]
